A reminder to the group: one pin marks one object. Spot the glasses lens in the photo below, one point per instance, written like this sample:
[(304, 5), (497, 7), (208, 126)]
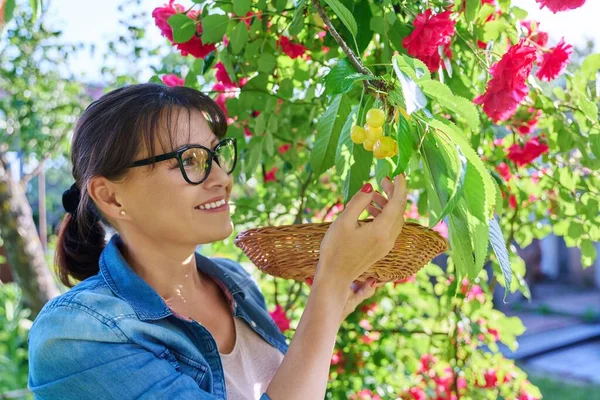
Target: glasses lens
[(195, 163), (226, 155)]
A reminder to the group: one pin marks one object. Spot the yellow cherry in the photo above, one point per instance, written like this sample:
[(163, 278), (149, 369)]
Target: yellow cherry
[(357, 134), (384, 147), (375, 117), (373, 133), (368, 145)]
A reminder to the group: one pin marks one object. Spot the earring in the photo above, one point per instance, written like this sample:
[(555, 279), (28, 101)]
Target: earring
[(122, 212)]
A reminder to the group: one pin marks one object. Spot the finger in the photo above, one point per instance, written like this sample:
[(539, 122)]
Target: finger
[(379, 200), (358, 203), (392, 216), (374, 211), (388, 186)]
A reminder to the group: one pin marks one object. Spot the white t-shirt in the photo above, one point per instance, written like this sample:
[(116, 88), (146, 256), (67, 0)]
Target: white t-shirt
[(251, 364)]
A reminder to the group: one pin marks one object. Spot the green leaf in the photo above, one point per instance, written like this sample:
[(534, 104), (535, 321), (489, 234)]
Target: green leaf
[(407, 144), (415, 68), (461, 106), (589, 108), (269, 143), (461, 172), (214, 26), (239, 37), (344, 15), (472, 8), (590, 66), (298, 19), (460, 242), (341, 77), (383, 167), (359, 171), (241, 7), (183, 27), (259, 125), (255, 154), (329, 128), (588, 253), (267, 62), (492, 30), (9, 8), (595, 143), (499, 247), (413, 96), (280, 5), (343, 153)]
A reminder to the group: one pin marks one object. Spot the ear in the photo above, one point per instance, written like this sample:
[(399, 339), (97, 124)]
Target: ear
[(104, 193)]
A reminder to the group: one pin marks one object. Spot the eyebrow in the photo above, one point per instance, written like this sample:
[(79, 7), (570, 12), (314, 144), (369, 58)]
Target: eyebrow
[(213, 143)]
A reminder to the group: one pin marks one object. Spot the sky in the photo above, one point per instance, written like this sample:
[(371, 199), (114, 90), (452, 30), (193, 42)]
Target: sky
[(75, 20)]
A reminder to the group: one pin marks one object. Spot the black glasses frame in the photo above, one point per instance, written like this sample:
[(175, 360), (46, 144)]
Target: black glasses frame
[(177, 154)]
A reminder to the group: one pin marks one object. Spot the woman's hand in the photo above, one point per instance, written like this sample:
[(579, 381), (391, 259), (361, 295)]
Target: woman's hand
[(360, 291), (348, 248)]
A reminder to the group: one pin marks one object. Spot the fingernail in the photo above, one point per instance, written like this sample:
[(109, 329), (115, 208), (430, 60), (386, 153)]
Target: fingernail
[(388, 178), (309, 281), (373, 283), (367, 188)]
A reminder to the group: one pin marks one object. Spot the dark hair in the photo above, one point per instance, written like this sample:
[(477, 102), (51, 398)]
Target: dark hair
[(108, 136)]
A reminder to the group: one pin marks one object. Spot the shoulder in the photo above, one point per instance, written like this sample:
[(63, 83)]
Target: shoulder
[(90, 304)]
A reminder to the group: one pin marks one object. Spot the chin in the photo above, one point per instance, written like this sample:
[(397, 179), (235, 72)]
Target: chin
[(216, 233)]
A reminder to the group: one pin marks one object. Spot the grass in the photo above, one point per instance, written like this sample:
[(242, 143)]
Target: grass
[(553, 389)]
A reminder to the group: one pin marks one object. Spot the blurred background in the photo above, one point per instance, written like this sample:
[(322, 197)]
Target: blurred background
[(112, 42)]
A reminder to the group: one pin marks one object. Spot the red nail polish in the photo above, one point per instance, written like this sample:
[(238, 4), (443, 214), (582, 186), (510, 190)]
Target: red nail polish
[(309, 281), (367, 188), (373, 283)]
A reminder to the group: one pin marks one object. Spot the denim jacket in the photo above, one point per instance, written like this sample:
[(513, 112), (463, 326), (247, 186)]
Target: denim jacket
[(112, 336)]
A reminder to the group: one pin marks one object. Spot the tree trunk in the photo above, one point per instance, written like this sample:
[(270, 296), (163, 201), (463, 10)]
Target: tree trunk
[(24, 249)]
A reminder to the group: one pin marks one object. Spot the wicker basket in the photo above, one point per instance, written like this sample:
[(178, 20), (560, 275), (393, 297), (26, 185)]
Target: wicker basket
[(292, 251)]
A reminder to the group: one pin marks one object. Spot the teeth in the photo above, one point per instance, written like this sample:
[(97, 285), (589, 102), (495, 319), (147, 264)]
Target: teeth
[(214, 204)]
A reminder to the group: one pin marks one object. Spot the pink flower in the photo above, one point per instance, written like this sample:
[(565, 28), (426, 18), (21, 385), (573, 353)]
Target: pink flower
[(533, 32), (429, 33), (554, 62), (293, 50), (371, 337), (512, 201), (507, 87), (247, 132), (494, 333), (491, 379), (222, 75), (560, 5), (504, 171), (427, 362), (162, 14), (417, 393), (526, 154), (442, 229), (225, 93), (270, 175), (476, 293), (278, 315), (337, 358), (172, 80), (194, 46), (365, 324), (284, 148), (523, 395), (525, 122), (365, 394), (413, 212)]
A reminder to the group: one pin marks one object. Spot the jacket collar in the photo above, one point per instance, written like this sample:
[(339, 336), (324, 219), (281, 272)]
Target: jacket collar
[(145, 301)]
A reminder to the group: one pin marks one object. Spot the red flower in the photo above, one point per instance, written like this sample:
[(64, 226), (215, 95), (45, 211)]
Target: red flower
[(270, 175), (293, 50), (225, 93), (417, 394), (371, 337), (194, 46), (278, 315), (504, 171), (337, 358), (526, 154), (523, 395), (429, 33), (427, 362), (365, 394), (533, 32), (222, 75), (172, 80), (491, 379), (369, 308), (560, 5), (284, 148), (162, 14), (554, 62), (512, 201), (526, 121), (507, 87)]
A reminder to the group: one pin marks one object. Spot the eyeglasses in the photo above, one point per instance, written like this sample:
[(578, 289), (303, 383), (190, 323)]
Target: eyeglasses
[(195, 160)]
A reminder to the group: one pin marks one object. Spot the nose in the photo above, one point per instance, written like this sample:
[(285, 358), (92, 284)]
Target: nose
[(217, 175)]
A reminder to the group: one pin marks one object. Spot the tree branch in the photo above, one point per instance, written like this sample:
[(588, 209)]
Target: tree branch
[(354, 59)]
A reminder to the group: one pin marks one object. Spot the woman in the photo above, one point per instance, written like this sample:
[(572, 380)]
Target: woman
[(151, 317)]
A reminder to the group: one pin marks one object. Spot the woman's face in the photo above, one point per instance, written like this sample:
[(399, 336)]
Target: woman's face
[(163, 205)]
